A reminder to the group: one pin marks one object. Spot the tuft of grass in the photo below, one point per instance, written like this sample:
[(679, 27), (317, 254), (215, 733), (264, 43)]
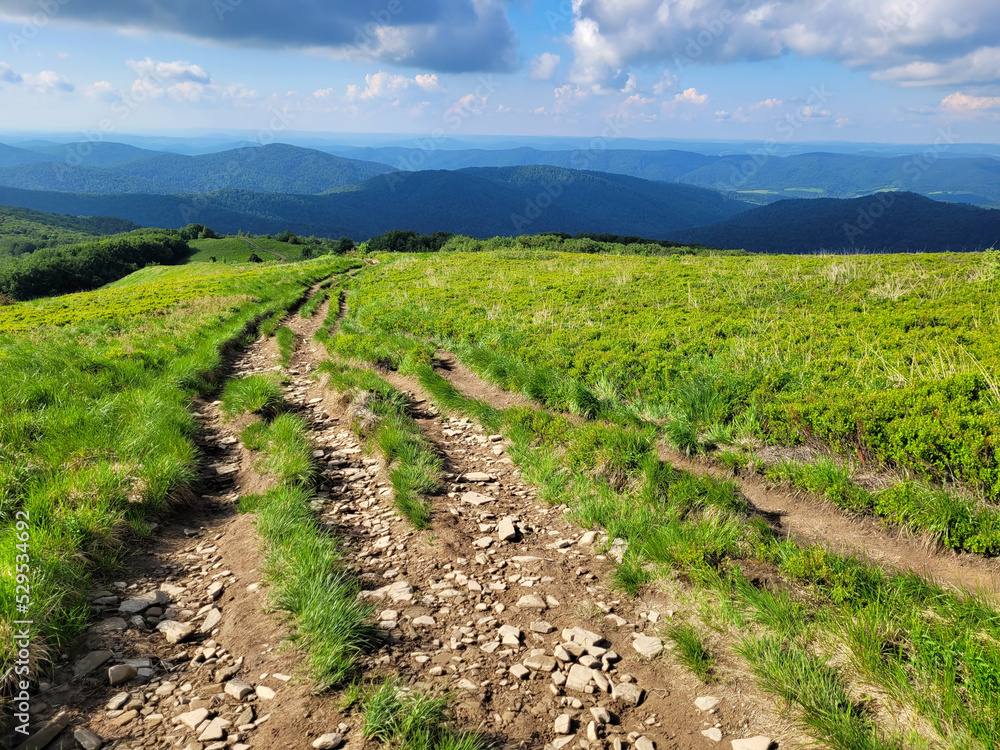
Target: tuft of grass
[(255, 394), (313, 303), (409, 719), (827, 712), (287, 340), (271, 323), (691, 651), (631, 576)]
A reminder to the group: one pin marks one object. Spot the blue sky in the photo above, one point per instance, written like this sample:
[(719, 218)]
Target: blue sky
[(788, 70)]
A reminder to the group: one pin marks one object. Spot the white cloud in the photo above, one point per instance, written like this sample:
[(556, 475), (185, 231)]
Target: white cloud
[(467, 106), (631, 85), (981, 66), (691, 96), (169, 72), (569, 97), (668, 82), (49, 81), (103, 91), (918, 42), (544, 66), (8, 75), (959, 102), (767, 104), (387, 86)]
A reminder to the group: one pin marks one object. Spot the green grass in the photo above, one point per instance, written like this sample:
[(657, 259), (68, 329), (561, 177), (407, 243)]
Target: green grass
[(691, 651), (313, 303), (888, 358), (235, 250), (255, 394), (410, 719), (287, 341), (380, 414), (96, 432)]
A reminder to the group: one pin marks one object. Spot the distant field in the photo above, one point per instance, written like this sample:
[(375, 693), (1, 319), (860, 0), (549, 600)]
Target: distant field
[(889, 359), (237, 250)]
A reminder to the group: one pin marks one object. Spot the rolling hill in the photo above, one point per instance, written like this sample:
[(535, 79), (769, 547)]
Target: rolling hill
[(888, 222), (480, 203), (276, 168), (23, 230)]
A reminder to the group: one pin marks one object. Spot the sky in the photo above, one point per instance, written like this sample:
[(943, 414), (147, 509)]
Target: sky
[(889, 71)]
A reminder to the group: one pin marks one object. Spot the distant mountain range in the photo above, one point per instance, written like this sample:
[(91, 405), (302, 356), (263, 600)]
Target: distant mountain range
[(111, 168), (886, 222), (752, 177), (477, 202), (656, 194)]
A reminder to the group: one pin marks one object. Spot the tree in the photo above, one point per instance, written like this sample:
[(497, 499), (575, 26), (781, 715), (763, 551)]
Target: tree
[(254, 258), (346, 245)]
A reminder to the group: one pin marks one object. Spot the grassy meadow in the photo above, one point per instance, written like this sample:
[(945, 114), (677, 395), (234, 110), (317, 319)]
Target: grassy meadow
[(96, 430), (891, 361)]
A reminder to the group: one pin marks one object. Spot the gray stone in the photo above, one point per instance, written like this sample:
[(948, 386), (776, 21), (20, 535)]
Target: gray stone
[(47, 733), (425, 621), (541, 663), (212, 619), (617, 550), (265, 693), (215, 590), (483, 542), (175, 632), (510, 636), (707, 702), (579, 678), (329, 741), (759, 742), (520, 671), (542, 627), (90, 662), (476, 498), (117, 702), (644, 743), (121, 673), (714, 734), (592, 733), (478, 477), (506, 529), (111, 625), (141, 603), (193, 719), (601, 715), (648, 646), (530, 601), (238, 689), (628, 693), (88, 740), (563, 724), (585, 638), (216, 730)]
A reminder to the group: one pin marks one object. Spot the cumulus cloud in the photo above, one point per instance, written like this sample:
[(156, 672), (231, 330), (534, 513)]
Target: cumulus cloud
[(691, 96), (440, 35), (8, 75), (384, 85), (956, 38), (172, 72), (544, 66), (48, 81), (959, 102), (103, 91)]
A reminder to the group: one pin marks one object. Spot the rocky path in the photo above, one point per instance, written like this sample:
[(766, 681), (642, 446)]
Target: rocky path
[(502, 601)]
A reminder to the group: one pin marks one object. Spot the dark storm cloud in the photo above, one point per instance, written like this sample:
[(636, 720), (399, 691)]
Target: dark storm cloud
[(442, 35)]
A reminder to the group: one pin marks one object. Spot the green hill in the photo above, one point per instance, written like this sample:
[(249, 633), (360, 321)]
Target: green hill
[(23, 230)]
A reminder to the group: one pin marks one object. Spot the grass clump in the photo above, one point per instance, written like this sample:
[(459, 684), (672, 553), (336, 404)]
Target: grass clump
[(254, 394), (828, 713), (413, 720), (313, 304), (286, 339), (691, 651)]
